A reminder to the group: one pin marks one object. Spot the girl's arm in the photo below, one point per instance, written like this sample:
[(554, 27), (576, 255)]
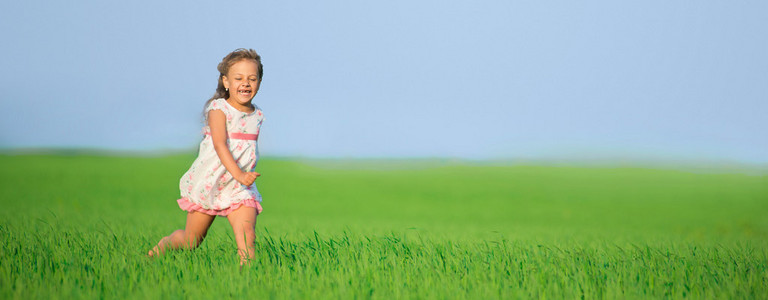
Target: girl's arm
[(217, 122)]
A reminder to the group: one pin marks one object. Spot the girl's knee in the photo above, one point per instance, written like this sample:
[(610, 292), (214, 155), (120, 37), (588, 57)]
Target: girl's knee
[(247, 233)]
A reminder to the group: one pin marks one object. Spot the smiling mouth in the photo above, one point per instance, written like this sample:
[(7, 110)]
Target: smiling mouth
[(244, 92)]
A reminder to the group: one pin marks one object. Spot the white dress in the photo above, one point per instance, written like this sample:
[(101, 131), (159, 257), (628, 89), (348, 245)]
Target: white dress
[(207, 186)]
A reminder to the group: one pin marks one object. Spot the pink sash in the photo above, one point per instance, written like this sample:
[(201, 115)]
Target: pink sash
[(241, 136)]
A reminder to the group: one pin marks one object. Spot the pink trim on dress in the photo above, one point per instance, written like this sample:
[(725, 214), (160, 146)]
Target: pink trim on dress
[(241, 136), (187, 205)]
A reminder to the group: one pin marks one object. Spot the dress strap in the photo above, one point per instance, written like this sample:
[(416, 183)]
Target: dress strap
[(241, 136)]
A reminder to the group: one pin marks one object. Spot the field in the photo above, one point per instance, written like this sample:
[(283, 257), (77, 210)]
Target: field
[(78, 226)]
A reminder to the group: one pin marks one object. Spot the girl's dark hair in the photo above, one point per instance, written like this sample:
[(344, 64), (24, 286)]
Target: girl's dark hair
[(226, 63)]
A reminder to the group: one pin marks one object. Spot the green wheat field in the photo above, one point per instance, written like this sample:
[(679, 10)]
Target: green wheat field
[(78, 226)]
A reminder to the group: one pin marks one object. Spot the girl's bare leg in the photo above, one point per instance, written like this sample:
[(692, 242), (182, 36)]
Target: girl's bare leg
[(188, 238), (243, 221)]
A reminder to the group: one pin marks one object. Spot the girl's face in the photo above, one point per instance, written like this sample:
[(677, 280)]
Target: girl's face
[(242, 80)]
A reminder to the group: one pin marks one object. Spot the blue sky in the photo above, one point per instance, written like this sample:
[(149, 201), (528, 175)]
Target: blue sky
[(459, 79)]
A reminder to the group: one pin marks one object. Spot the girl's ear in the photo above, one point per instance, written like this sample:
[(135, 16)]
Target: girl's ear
[(224, 81)]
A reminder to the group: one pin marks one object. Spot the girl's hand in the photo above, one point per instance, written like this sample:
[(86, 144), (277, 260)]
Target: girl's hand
[(247, 178)]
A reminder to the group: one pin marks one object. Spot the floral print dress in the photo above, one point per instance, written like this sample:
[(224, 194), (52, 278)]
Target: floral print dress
[(207, 186)]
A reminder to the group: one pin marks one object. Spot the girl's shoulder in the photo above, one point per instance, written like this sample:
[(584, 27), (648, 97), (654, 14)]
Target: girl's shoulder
[(257, 113), (217, 104)]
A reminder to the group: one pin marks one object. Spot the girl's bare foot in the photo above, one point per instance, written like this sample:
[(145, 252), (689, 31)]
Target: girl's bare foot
[(245, 261), (158, 249)]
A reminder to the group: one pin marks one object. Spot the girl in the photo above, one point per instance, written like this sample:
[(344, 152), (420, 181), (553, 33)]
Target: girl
[(220, 180)]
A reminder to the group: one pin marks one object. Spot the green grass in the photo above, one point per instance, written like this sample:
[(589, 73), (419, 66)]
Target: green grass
[(78, 226)]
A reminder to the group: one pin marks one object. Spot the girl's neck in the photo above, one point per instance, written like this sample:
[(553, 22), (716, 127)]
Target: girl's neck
[(243, 108)]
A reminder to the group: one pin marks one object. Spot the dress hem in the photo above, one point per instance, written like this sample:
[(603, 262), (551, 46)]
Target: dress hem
[(189, 206)]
